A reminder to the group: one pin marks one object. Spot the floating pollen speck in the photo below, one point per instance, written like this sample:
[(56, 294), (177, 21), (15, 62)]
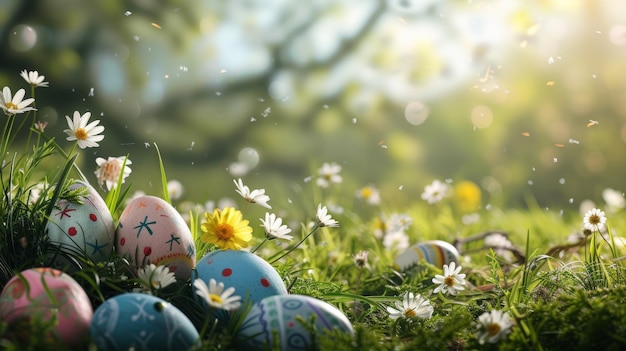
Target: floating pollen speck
[(155, 25)]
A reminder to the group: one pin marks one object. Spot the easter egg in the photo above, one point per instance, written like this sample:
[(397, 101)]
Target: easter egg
[(435, 252), (47, 294), (252, 277), (273, 323), (141, 322), (150, 230), (82, 228)]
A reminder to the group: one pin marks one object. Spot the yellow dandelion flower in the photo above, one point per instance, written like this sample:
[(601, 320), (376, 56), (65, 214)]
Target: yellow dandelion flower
[(226, 229), (467, 196)]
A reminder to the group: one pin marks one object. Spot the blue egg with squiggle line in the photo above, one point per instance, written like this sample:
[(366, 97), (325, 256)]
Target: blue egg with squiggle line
[(141, 322), (273, 323)]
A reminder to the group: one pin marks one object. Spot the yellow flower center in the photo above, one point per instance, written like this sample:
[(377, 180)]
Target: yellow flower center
[(11, 106), (410, 313), (224, 231), (449, 281), (215, 298), (366, 192), (493, 328), (594, 219), (81, 134)]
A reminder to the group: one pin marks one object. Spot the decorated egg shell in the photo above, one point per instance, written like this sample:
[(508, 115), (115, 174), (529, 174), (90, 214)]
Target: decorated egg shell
[(82, 228), (252, 277), (141, 322), (435, 252), (150, 230), (273, 323), (47, 293)]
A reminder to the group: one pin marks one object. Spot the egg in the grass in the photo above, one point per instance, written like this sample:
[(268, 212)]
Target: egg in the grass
[(150, 230), (435, 252), (47, 294), (141, 322), (252, 277), (273, 323), (82, 228)]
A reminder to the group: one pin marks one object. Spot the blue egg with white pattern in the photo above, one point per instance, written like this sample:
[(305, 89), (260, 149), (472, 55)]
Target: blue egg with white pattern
[(141, 322), (274, 323)]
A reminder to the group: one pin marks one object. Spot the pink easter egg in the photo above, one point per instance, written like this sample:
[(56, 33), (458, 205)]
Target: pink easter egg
[(47, 293), (150, 230)]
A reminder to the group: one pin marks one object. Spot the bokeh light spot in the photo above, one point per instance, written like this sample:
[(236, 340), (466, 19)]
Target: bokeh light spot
[(22, 38), (482, 116), (416, 113)]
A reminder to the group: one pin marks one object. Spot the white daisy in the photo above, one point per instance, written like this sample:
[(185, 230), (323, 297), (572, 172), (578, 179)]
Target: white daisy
[(594, 220), (369, 194), (397, 240), (329, 173), (33, 78), (274, 227), (451, 281), (256, 196), (155, 277), (87, 135), (175, 189), (411, 306), (108, 171), (398, 222), (324, 219), (215, 295), (493, 326), (360, 259), (15, 104), (435, 191)]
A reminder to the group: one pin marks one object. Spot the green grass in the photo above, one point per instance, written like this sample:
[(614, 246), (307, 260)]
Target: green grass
[(559, 295)]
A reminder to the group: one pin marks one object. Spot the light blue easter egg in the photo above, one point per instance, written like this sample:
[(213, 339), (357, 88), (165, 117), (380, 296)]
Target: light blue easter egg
[(82, 228), (435, 252), (141, 322), (273, 323), (252, 277)]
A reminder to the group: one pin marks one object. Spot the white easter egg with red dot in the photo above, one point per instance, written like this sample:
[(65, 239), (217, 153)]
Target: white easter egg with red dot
[(150, 230), (44, 294), (251, 276), (84, 227)]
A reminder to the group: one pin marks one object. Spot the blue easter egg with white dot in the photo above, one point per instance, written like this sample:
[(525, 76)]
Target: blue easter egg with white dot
[(252, 277), (141, 322), (274, 323)]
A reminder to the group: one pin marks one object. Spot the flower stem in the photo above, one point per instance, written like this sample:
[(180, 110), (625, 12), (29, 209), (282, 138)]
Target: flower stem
[(296, 245), (258, 247)]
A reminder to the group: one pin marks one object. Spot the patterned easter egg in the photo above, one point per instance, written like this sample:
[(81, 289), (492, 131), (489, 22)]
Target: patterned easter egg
[(249, 274), (273, 323), (150, 230), (47, 293), (141, 322), (435, 252), (84, 227)]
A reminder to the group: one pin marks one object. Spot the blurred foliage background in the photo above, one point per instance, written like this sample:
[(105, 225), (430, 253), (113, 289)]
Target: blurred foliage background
[(524, 98)]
